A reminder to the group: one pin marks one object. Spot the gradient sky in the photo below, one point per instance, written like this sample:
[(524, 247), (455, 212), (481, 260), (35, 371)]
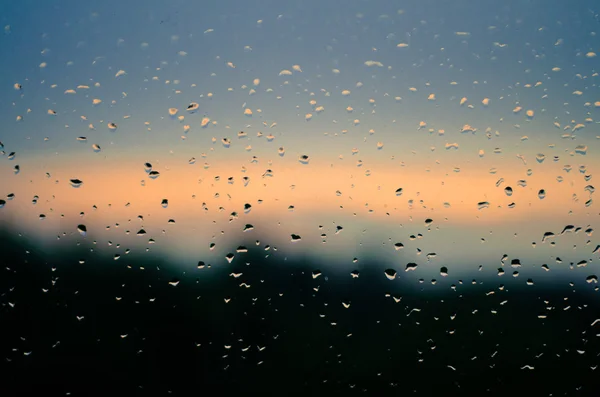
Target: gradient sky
[(390, 78)]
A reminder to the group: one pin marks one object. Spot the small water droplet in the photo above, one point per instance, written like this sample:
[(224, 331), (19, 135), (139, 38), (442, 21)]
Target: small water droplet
[(390, 274), (76, 182), (153, 174), (542, 194)]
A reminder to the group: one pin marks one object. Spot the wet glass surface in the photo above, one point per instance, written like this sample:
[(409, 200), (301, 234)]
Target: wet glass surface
[(299, 198)]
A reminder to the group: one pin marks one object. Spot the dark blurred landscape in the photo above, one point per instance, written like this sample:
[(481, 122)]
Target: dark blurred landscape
[(106, 327)]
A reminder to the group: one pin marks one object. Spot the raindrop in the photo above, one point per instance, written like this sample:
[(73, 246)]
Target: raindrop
[(390, 274), (581, 149), (153, 174), (542, 194), (483, 204), (76, 182)]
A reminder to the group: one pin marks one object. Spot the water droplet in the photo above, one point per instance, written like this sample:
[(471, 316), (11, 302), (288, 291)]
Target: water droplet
[(153, 174), (390, 274), (581, 149), (76, 182), (483, 204), (82, 229), (542, 194), (304, 159)]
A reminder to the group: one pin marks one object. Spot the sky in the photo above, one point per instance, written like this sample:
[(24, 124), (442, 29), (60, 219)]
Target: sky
[(452, 102)]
